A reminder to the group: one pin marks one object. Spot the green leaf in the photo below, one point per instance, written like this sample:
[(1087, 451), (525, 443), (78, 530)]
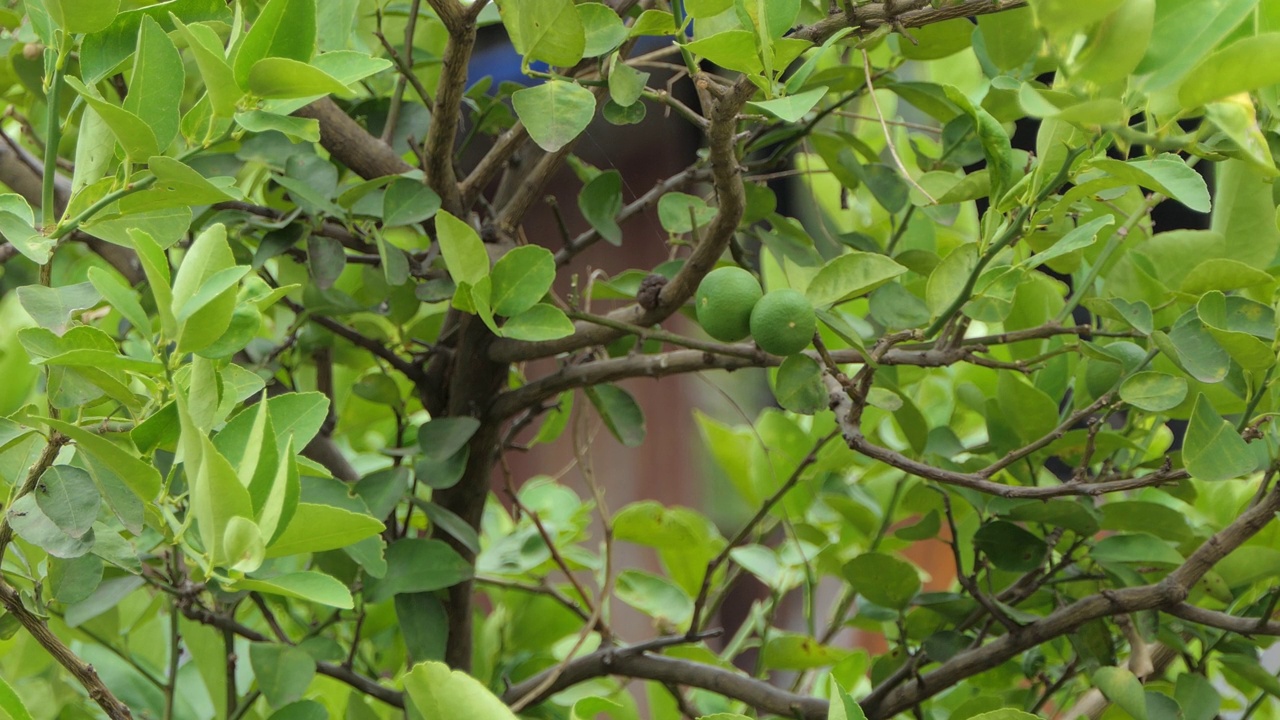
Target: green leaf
[(17, 225), (463, 251), (1248, 668), (538, 323), (101, 53), (1244, 65), (201, 268), (1197, 697), (95, 149), (680, 212), (408, 202), (297, 128), (883, 579), (1185, 32), (156, 80), (11, 703), (275, 77), (1153, 391), (420, 565), (948, 279), (1244, 213), (1213, 450), (142, 478), (1167, 174), (1223, 274), (215, 72), (655, 596), (600, 202), (284, 29), (122, 297), (552, 31), (654, 22), (53, 307), (1063, 16), (82, 16), (521, 278), (849, 276), (620, 413), (995, 142), (1005, 714), (69, 498), (799, 387), (1079, 238), (1195, 350), (316, 528), (31, 524), (307, 585), (424, 624), (626, 84), (799, 652), (1122, 688), (843, 707), (1135, 548), (217, 496), (437, 692), (283, 672), (76, 579), (441, 438), (792, 108), (554, 112), (731, 50), (937, 40), (1009, 547), (176, 185), (603, 29), (133, 133)]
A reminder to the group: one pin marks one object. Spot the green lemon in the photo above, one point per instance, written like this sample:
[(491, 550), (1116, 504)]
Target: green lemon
[(783, 322), (724, 301)]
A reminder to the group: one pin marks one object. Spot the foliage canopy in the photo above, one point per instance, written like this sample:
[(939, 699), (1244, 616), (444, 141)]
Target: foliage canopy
[(270, 319)]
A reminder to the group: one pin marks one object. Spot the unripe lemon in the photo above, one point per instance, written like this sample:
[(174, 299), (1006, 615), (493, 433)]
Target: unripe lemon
[(783, 322), (724, 301)]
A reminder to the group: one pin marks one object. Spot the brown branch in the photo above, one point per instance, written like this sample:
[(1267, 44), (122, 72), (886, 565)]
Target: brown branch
[(1168, 593), (634, 661), (342, 674), (408, 369), (327, 228), (1224, 621), (710, 355), (501, 153), (351, 144), (84, 672), (447, 112)]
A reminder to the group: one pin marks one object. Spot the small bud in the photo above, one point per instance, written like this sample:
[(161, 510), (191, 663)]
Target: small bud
[(649, 290), (32, 51)]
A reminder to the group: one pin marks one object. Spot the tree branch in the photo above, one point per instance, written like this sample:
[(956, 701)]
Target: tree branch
[(754, 692), (340, 673), (1224, 621), (84, 672), (447, 112), (351, 144), (726, 174)]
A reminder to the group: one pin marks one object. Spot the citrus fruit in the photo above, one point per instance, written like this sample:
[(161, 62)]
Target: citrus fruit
[(724, 301), (783, 322)]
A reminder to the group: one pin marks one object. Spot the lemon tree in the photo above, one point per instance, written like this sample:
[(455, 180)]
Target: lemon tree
[(286, 286)]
